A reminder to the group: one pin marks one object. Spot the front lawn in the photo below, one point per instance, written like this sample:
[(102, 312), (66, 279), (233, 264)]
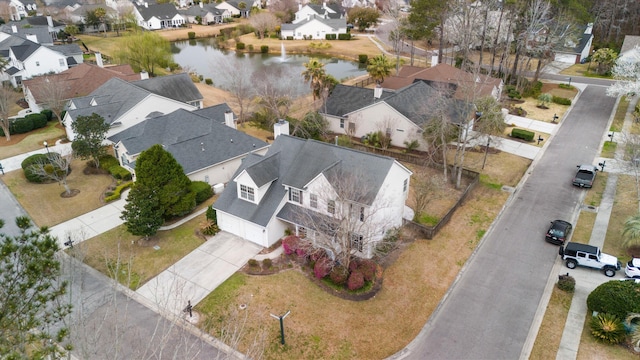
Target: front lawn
[(33, 140)]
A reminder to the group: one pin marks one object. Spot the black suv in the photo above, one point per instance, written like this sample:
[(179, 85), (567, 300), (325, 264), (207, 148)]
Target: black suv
[(558, 232)]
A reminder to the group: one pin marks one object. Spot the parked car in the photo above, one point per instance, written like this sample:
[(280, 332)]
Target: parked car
[(558, 232), (632, 269), (576, 254), (585, 176)]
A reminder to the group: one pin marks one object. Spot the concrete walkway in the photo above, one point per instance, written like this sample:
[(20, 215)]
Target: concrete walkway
[(15, 162), (588, 279)]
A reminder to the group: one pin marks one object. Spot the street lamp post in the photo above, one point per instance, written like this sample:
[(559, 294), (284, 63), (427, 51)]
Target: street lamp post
[(46, 146)]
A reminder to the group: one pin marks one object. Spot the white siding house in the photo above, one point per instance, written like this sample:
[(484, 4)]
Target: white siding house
[(314, 27)]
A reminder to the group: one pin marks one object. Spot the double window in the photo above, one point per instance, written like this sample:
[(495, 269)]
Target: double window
[(247, 193)]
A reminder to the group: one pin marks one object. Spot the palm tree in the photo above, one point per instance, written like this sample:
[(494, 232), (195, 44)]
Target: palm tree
[(315, 75), (631, 230), (379, 67)]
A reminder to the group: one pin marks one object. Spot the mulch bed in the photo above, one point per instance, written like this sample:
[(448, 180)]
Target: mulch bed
[(294, 263)]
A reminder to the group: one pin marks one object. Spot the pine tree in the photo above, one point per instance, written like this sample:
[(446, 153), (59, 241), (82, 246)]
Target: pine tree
[(31, 294), (157, 169), (142, 213)]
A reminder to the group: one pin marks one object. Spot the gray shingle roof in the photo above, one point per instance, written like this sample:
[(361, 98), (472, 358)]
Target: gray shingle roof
[(332, 23), (160, 11), (41, 32), (298, 161), (22, 52), (178, 87), (196, 141), (66, 49), (416, 102)]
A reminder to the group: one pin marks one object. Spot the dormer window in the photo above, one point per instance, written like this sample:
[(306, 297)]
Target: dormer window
[(247, 193), (295, 195)]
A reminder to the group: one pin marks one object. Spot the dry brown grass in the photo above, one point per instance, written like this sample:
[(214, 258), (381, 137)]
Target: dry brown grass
[(371, 329), (584, 227), (43, 202), (550, 332), (625, 205), (500, 168), (590, 348), (137, 258), (594, 195), (22, 143)]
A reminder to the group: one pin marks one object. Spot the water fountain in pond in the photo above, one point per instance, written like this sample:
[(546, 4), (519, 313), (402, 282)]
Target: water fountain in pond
[(283, 53)]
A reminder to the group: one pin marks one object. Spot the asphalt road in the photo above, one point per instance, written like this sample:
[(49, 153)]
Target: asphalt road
[(9, 210), (490, 308)]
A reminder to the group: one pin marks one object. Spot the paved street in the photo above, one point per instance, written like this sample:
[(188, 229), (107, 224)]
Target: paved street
[(489, 310)]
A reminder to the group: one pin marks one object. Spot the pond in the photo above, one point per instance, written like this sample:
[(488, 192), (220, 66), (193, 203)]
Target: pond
[(204, 57)]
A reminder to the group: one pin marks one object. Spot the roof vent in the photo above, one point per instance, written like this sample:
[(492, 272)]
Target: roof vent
[(202, 146)]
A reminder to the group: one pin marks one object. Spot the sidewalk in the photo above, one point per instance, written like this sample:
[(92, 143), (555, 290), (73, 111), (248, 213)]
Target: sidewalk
[(587, 279), (15, 162)]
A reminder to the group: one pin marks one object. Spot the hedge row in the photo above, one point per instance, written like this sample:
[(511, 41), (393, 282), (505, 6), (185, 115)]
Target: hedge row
[(522, 134), (202, 190), (112, 165), (26, 124), (117, 192), (560, 100)]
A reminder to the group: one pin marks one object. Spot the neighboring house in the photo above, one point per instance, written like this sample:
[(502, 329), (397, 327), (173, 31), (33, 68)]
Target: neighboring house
[(21, 8), (400, 115), (298, 180), (314, 27), (466, 84), (238, 8), (575, 53), (78, 81), (79, 15), (158, 16), (327, 11), (208, 14), (38, 34), (177, 86), (53, 26), (630, 51), (72, 52), (123, 105), (28, 59), (205, 142)]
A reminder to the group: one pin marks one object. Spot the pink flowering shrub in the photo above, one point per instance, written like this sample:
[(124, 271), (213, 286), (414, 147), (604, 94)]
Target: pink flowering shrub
[(356, 280), (290, 244), (322, 267), (368, 269), (339, 275)]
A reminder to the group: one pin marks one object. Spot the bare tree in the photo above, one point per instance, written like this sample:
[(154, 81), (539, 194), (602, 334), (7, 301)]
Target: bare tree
[(8, 97), (5, 11), (55, 168), (426, 188), (350, 223), (263, 22), (275, 91), (53, 93), (284, 9), (238, 83)]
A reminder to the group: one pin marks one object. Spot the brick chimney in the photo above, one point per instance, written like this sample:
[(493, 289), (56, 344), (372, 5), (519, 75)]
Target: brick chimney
[(377, 92)]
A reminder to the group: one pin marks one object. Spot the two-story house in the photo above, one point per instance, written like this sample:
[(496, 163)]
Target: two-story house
[(207, 13), (238, 8), (327, 11), (314, 27), (300, 185), (21, 8)]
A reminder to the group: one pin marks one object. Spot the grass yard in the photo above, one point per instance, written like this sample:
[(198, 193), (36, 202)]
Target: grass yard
[(136, 259), (500, 168), (550, 332), (584, 226), (43, 202), (371, 329), (621, 113), (590, 348), (22, 143), (624, 206)]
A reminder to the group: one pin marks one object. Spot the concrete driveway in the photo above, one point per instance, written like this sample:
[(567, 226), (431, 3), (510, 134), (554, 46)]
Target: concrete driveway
[(199, 273)]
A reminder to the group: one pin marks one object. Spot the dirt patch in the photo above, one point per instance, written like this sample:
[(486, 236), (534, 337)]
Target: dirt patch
[(70, 194)]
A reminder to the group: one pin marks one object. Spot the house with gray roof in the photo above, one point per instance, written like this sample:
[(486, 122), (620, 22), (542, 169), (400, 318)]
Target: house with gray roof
[(239, 8), (204, 142), (21, 8), (123, 105), (327, 11), (157, 16), (176, 86), (27, 59), (38, 34), (309, 187), (574, 51), (314, 27), (400, 114), (208, 14)]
